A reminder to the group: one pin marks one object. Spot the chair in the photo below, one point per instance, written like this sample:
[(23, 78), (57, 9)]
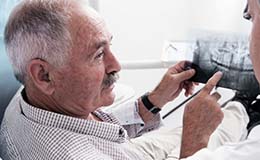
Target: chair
[(8, 84)]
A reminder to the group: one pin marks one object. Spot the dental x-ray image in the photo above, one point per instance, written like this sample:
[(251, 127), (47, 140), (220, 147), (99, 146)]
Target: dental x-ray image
[(226, 53)]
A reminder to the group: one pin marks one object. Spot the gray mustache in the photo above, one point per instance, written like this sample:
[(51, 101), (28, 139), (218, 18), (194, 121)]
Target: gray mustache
[(110, 79)]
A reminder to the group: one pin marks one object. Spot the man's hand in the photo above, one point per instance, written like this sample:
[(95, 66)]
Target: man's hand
[(172, 84), (201, 117)]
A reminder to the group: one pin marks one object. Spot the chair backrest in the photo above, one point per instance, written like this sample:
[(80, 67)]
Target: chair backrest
[(8, 84)]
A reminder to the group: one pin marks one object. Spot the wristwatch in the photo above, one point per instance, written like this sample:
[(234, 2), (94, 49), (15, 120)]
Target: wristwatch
[(149, 105)]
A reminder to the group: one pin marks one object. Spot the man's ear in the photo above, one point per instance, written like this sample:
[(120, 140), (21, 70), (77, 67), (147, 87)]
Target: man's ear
[(39, 73)]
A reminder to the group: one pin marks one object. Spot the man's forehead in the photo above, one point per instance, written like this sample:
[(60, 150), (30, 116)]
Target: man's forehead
[(81, 9), (90, 38), (92, 33), (88, 27)]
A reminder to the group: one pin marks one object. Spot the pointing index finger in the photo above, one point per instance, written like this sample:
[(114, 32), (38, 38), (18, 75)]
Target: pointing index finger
[(212, 82)]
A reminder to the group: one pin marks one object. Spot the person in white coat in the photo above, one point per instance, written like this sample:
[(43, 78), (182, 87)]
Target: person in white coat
[(250, 147)]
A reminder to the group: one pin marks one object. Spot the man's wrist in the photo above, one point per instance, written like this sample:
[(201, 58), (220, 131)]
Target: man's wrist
[(149, 105), (193, 142), (153, 97), (143, 112)]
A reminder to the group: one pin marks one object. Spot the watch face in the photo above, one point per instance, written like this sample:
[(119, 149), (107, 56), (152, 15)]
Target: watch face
[(155, 110)]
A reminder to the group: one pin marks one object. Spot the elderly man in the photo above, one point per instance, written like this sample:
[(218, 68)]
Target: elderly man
[(60, 51)]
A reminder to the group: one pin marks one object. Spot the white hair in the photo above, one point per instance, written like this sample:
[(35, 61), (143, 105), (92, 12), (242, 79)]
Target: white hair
[(38, 29)]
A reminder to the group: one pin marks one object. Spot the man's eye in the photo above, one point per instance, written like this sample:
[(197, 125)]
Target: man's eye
[(246, 15), (100, 55)]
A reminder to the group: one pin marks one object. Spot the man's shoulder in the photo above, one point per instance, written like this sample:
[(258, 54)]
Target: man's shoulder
[(8, 148), (25, 138), (13, 108)]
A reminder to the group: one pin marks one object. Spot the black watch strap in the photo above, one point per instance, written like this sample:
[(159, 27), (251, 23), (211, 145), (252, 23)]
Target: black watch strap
[(149, 105)]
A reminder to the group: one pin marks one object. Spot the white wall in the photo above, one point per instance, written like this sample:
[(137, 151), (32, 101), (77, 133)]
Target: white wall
[(141, 26)]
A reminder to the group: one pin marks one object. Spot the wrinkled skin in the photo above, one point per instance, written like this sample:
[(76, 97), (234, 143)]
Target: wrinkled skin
[(80, 83), (201, 117), (172, 83), (86, 81)]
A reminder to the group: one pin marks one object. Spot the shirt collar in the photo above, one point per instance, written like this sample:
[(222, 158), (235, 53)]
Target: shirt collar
[(109, 129)]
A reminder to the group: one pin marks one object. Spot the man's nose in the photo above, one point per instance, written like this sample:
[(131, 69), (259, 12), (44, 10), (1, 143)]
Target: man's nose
[(112, 64)]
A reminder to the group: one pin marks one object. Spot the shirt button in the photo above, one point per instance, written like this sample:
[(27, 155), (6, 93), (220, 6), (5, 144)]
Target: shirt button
[(121, 132), (150, 129)]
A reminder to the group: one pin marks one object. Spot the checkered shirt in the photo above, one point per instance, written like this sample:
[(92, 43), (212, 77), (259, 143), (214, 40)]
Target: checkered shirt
[(30, 133)]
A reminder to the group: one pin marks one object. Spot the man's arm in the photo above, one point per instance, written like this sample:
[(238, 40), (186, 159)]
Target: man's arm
[(201, 117)]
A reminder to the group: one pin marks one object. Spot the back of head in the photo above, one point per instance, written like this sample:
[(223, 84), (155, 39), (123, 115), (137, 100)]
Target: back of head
[(38, 29)]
